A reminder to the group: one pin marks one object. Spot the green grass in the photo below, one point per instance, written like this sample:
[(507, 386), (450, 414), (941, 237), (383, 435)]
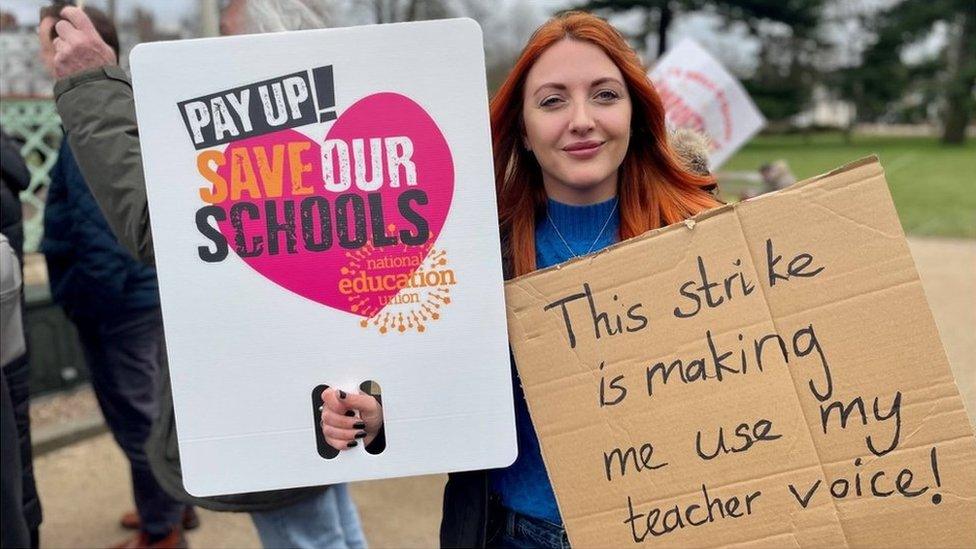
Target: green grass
[(933, 185)]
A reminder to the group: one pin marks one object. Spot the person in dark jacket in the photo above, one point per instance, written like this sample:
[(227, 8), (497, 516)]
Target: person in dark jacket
[(113, 300), (95, 101), (15, 178)]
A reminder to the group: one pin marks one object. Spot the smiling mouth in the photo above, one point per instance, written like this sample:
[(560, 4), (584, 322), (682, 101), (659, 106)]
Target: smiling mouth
[(586, 149)]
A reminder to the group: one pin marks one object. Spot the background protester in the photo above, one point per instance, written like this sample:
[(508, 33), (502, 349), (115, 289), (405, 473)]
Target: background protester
[(13, 524), (94, 99), (113, 300), (15, 178)]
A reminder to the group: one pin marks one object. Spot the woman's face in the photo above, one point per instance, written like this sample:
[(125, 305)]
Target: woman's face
[(577, 111)]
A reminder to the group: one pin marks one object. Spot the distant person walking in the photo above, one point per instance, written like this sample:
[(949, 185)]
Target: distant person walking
[(113, 300)]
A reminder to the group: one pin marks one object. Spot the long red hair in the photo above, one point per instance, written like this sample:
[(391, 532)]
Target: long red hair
[(653, 187)]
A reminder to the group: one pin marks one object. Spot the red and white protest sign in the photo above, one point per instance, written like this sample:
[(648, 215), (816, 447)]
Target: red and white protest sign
[(698, 93)]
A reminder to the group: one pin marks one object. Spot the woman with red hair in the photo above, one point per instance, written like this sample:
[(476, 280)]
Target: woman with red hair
[(582, 160)]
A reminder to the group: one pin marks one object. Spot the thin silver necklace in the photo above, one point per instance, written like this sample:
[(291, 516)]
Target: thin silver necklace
[(597, 239)]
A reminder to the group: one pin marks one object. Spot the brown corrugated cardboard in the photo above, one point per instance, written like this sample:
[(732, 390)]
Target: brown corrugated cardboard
[(767, 374)]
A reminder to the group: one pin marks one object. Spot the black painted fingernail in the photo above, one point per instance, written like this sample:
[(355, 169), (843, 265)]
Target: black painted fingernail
[(342, 394), (352, 444), (361, 434), (350, 413), (359, 425)]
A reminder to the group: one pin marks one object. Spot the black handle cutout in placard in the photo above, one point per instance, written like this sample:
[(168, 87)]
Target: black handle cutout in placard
[(378, 444), (324, 449)]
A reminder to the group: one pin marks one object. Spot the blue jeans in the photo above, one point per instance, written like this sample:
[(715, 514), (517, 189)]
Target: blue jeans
[(508, 529), (328, 521)]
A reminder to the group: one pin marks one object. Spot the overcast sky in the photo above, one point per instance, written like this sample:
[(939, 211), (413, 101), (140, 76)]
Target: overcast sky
[(732, 46), (168, 12)]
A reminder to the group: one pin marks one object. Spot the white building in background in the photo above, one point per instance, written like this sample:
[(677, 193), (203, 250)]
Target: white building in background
[(21, 71), (23, 75), (826, 111)]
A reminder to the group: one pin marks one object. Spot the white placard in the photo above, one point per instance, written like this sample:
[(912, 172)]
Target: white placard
[(323, 212), (698, 93)]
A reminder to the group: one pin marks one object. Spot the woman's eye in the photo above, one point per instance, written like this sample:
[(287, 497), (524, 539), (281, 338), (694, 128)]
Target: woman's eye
[(550, 101), (607, 95)]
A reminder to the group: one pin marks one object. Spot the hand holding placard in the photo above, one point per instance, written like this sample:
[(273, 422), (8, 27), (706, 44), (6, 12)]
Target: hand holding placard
[(348, 418)]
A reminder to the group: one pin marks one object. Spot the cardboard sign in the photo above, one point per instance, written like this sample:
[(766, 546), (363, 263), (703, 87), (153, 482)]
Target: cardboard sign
[(766, 375), (323, 212), (698, 93)]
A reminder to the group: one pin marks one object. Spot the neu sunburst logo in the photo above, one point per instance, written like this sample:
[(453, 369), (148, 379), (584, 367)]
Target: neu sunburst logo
[(397, 290)]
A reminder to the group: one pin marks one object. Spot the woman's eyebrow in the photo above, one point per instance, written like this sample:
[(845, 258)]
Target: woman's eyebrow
[(555, 85), (595, 83), (604, 80)]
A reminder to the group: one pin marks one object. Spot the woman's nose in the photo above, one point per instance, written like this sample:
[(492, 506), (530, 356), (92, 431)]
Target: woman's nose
[(582, 119)]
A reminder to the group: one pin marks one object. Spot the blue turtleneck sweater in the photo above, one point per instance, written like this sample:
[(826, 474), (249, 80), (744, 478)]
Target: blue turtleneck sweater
[(524, 486)]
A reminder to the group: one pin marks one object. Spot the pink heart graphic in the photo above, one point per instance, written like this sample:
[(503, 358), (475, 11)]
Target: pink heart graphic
[(347, 248)]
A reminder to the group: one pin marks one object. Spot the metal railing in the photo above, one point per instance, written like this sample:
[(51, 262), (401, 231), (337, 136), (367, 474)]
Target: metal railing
[(36, 123), (57, 360)]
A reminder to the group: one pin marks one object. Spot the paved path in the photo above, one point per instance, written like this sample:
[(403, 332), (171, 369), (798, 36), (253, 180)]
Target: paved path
[(948, 272), (84, 487)]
